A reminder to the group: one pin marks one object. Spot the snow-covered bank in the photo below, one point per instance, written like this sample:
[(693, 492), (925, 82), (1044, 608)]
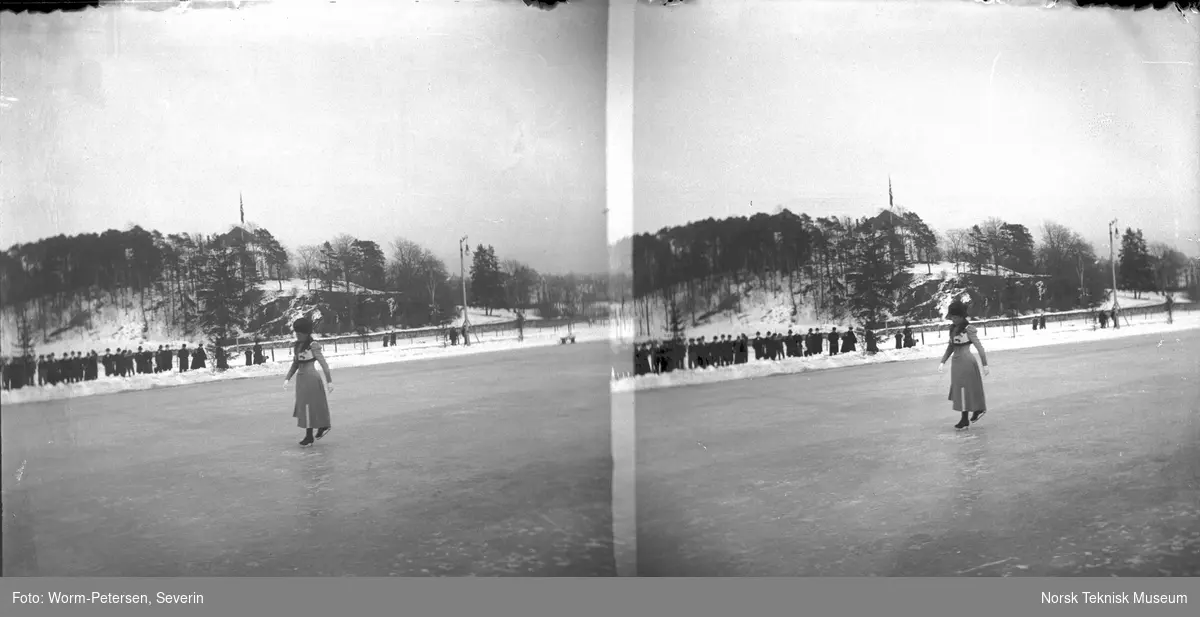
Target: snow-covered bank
[(1128, 299), (118, 329), (997, 339), (107, 385), (754, 305)]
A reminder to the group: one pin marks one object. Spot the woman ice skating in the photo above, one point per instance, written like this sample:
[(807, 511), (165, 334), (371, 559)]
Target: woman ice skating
[(966, 383), (312, 406)]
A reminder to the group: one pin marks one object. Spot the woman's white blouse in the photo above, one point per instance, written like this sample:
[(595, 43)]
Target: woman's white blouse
[(307, 354)]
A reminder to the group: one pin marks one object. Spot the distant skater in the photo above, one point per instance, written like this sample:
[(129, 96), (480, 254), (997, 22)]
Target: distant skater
[(312, 405), (966, 382)]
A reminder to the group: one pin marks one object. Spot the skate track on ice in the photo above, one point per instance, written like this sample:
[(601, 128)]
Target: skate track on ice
[(494, 464), (1087, 464)]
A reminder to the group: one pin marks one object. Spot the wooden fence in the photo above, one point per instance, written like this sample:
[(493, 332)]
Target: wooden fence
[(1012, 325), (280, 350)]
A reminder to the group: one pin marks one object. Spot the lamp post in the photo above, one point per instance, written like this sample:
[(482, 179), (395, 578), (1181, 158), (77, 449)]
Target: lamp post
[(1112, 262), (462, 274)]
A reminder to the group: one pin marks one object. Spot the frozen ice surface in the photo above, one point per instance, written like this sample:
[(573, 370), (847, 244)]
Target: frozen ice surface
[(487, 464), (1086, 464)]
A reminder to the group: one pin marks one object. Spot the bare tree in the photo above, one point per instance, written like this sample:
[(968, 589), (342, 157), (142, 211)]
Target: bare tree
[(408, 261), (993, 233), (307, 258), (25, 335), (346, 255), (955, 244), (415, 269), (519, 282), (1057, 242), (433, 270), (1167, 265)]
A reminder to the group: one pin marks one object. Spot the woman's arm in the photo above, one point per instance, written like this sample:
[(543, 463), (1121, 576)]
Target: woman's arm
[(321, 359), (978, 345), (949, 351), (949, 345), (292, 371)]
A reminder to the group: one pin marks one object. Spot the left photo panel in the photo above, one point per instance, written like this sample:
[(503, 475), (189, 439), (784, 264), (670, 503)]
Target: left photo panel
[(305, 289)]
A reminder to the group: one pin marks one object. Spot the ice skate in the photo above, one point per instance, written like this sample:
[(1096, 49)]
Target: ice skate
[(324, 431), (308, 441), (977, 415)]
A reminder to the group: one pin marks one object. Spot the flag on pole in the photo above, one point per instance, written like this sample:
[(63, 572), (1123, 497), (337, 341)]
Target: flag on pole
[(242, 207), (891, 202)]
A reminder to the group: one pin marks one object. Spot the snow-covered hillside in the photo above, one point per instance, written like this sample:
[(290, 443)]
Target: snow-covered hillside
[(759, 309), (297, 287), (479, 317), (948, 270), (112, 328), (300, 287), (103, 327)]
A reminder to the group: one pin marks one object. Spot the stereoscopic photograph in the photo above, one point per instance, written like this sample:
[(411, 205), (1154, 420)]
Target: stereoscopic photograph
[(305, 289), (914, 290)]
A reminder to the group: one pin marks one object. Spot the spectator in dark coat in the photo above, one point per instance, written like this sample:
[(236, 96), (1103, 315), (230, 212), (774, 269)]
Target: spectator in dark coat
[(849, 341), (199, 357), (872, 348)]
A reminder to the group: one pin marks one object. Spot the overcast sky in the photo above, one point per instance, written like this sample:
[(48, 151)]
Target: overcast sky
[(1077, 116), (374, 118)]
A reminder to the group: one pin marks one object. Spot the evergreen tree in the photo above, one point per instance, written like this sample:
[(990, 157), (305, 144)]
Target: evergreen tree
[(369, 263), (1134, 270), (1018, 248), (979, 251), (487, 285), (331, 270), (871, 281), (222, 295), (924, 240), (249, 271), (273, 254), (896, 234)]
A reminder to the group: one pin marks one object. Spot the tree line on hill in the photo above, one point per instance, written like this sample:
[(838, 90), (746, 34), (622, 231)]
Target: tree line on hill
[(859, 268), (212, 284)]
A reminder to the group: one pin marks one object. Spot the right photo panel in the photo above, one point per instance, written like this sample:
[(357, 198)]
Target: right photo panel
[(914, 290)]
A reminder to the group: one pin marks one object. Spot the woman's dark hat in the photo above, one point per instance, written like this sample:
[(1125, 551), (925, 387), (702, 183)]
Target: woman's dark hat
[(957, 309), (303, 325)]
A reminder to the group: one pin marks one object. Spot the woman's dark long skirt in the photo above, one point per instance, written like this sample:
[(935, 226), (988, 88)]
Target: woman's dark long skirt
[(966, 382), (312, 406)]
